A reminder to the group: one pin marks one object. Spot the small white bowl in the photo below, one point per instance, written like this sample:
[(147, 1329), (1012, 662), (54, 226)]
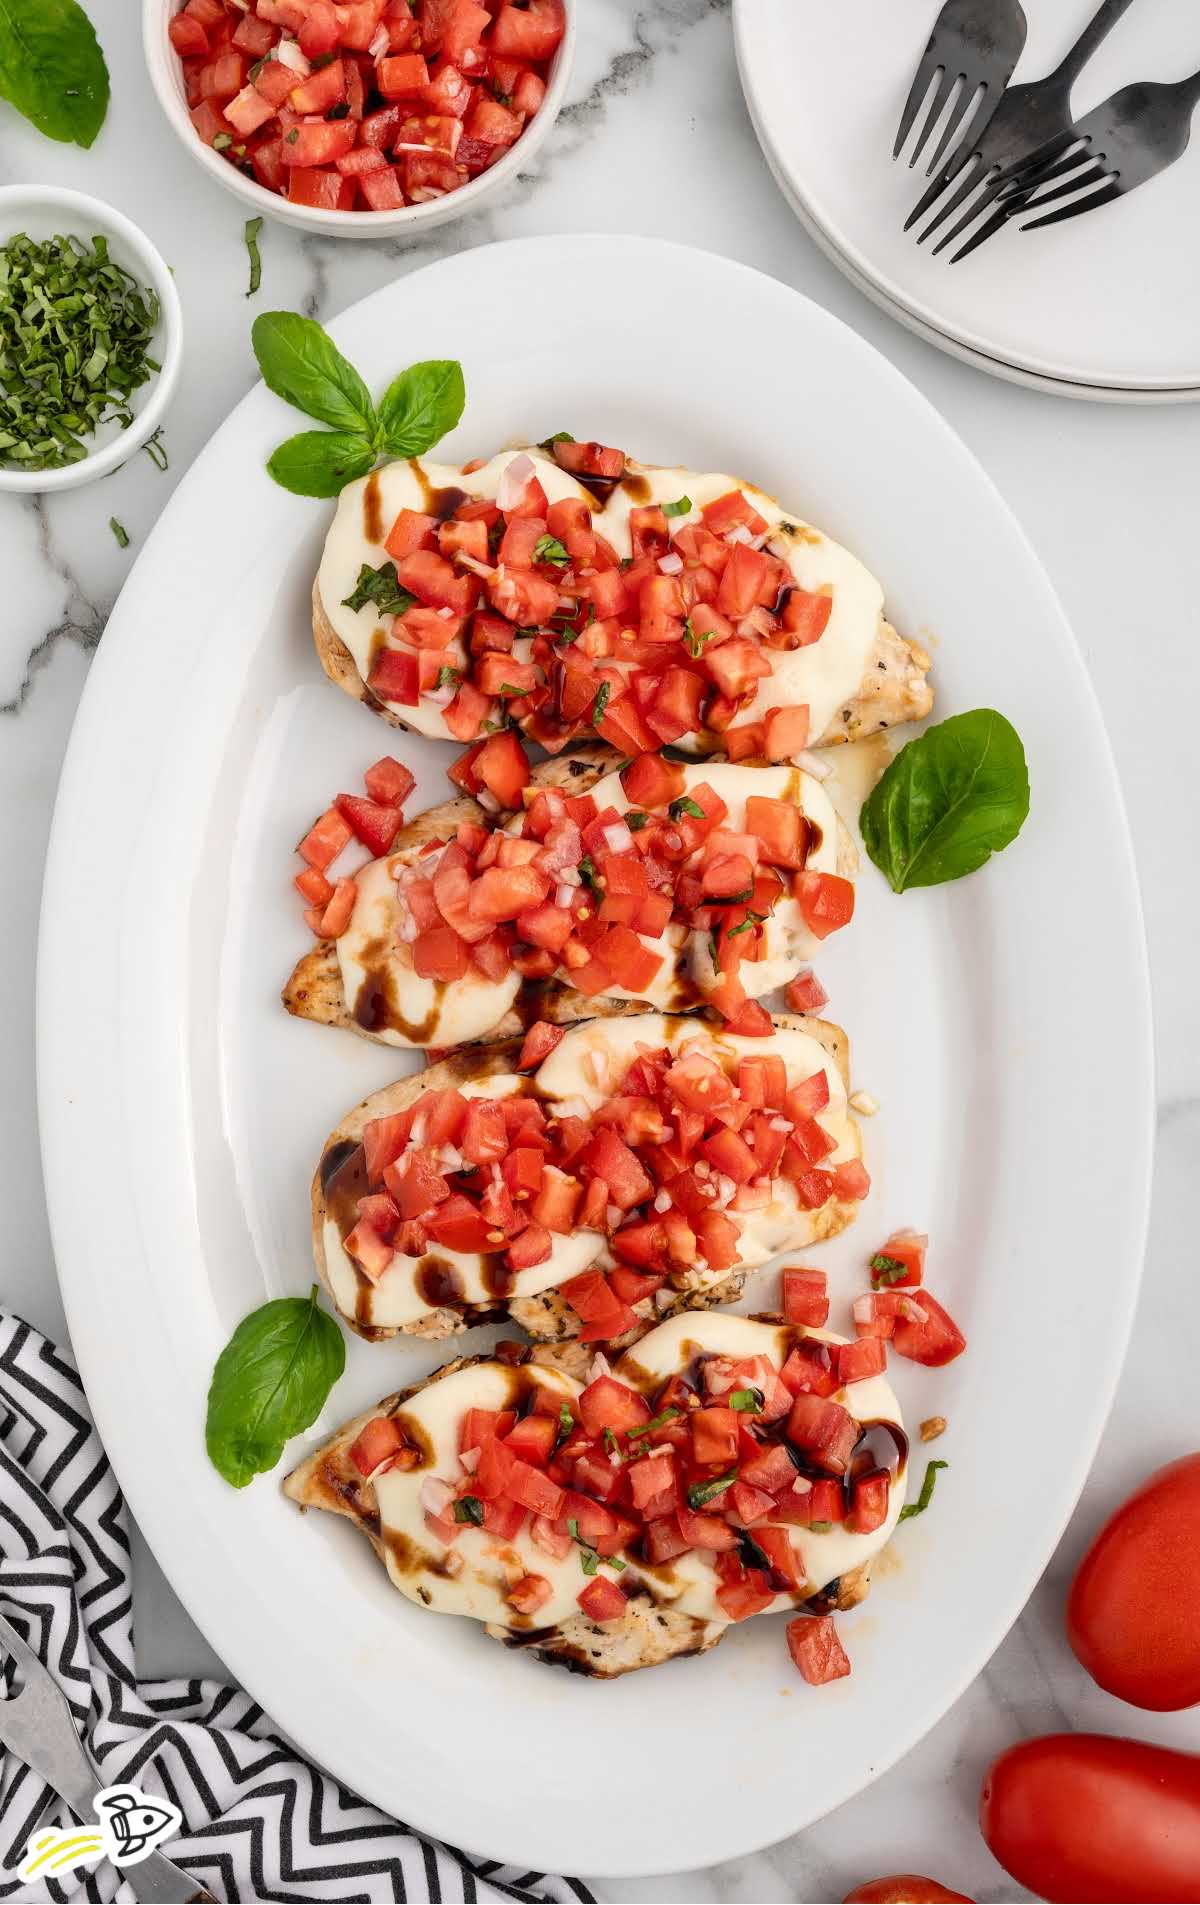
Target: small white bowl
[(43, 211), (166, 75)]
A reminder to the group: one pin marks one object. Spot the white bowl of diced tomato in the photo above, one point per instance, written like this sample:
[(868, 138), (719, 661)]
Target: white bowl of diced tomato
[(361, 118)]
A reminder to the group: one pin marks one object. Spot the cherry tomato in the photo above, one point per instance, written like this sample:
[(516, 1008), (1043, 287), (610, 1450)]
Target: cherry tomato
[(1080, 1816), (1133, 1617), (904, 1888)]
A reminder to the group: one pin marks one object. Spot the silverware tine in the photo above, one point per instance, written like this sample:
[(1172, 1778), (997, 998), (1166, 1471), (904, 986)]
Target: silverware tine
[(974, 46), (1124, 142), (38, 1726), (1030, 118)]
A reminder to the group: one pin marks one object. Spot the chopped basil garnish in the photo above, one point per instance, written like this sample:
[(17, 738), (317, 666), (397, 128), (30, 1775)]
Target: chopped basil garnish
[(685, 805), (381, 587), (587, 870), (729, 899), (589, 1560), (655, 1422), (469, 1508), (927, 1487), (75, 327), (635, 819), (600, 703), (446, 676), (221, 141), (290, 138), (566, 1422), (154, 450), (250, 233), (747, 1401), (682, 508), (820, 1527), (886, 1270), (340, 111), (560, 436), (701, 1492), (119, 531), (568, 636), (550, 549), (506, 688), (751, 919), (693, 640), (611, 1443)]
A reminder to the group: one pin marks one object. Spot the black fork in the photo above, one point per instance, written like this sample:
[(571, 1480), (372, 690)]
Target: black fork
[(1029, 117), (1119, 145), (975, 43)]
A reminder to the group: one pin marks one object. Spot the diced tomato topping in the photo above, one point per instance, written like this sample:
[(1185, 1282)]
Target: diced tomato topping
[(904, 1252), (824, 1431), (826, 901), (601, 1599), (529, 1593), (858, 1361), (805, 993), (379, 1442), (785, 732), (805, 1298), (816, 1650), (930, 1336), (325, 840), (609, 1404)]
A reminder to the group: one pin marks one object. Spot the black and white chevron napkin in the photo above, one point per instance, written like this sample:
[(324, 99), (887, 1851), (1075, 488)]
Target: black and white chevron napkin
[(261, 1824)]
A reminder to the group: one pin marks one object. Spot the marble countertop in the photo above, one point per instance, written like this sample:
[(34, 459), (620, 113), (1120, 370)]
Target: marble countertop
[(656, 139)]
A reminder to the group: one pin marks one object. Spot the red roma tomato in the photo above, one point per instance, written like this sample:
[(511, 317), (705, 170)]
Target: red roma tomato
[(1080, 1816), (905, 1888), (1133, 1616)]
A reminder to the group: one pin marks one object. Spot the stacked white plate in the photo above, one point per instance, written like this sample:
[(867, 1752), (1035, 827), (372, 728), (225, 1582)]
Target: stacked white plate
[(1102, 306)]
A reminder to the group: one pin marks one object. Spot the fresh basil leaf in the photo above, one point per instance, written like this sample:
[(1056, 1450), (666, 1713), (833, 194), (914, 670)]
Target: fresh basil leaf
[(250, 233), (52, 69), (926, 1496), (419, 406), (682, 508), (747, 1401), (589, 1560), (270, 1382), (381, 587), (685, 805), (560, 436), (301, 363), (320, 462), (469, 1508), (950, 799)]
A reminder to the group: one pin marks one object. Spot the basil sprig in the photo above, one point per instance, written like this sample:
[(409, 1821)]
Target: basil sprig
[(52, 69), (300, 362), (950, 799), (270, 1381)]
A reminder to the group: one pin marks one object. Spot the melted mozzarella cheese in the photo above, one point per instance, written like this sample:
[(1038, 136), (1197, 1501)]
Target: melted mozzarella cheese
[(590, 1062), (397, 1297), (825, 675), (789, 944), (485, 1567), (583, 1071), (419, 1012), (374, 502), (415, 1012)]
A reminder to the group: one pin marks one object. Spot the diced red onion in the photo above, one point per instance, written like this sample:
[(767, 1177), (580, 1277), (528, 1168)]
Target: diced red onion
[(863, 1309), (739, 533), (564, 894), (379, 43), (288, 54), (600, 1367), (514, 480), (487, 800), (435, 1496), (662, 1201), (618, 838), (470, 1460), (671, 563), (472, 563)]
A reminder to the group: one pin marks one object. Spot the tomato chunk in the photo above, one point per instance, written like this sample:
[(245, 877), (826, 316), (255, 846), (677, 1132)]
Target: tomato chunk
[(816, 1650)]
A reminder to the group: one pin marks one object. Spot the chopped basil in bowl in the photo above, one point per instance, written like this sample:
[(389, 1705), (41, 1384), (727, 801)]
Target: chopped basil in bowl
[(91, 338)]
